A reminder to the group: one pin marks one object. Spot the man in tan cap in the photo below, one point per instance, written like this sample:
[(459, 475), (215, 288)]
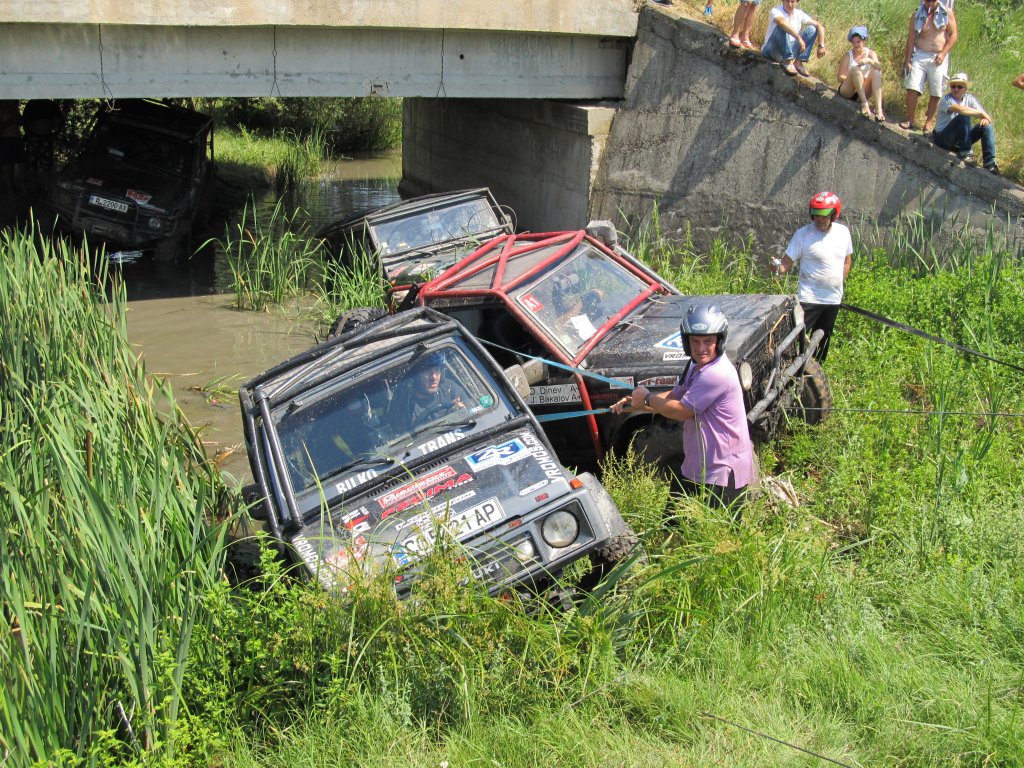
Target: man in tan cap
[(955, 128)]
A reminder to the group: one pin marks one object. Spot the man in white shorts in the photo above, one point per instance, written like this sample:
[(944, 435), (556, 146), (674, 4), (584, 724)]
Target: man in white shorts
[(931, 35)]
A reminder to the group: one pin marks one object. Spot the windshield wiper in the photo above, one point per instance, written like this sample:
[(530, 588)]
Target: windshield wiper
[(439, 426), (369, 460)]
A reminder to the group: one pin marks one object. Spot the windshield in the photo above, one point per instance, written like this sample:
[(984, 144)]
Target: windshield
[(427, 228), (578, 296), (410, 406), (133, 145)]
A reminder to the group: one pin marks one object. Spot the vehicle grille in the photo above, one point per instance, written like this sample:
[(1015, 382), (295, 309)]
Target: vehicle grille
[(762, 361)]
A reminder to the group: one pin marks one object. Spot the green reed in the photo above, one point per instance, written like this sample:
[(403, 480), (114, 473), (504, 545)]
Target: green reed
[(303, 158), (104, 537), (270, 261)]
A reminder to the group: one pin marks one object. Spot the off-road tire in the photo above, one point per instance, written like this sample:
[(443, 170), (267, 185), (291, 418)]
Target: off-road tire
[(622, 541), (659, 443), (351, 319), (815, 401)]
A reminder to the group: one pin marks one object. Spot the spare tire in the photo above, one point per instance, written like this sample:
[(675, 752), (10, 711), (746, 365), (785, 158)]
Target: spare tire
[(351, 319)]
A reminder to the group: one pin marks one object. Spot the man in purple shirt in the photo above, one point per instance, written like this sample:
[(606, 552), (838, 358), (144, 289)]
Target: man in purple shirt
[(718, 456)]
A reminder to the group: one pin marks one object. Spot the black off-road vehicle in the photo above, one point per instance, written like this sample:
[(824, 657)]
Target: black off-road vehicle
[(140, 178), (417, 238), (585, 305), (371, 447)]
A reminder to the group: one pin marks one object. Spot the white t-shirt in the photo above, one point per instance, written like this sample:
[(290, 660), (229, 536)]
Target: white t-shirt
[(798, 20), (820, 256)]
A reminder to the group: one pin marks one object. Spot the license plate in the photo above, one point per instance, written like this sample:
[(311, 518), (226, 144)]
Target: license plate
[(458, 526), (110, 205)]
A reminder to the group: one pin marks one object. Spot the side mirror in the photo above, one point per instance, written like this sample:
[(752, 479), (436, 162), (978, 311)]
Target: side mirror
[(517, 378), (522, 377), (603, 231)]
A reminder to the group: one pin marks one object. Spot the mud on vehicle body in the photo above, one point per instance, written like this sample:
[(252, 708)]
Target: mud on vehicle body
[(141, 177), (415, 239), (354, 475), (570, 298)]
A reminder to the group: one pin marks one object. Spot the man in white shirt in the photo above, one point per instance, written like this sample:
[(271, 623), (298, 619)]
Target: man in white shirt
[(823, 252), (791, 36)]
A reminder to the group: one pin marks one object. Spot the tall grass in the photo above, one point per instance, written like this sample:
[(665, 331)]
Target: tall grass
[(105, 537), (878, 623), (303, 159), (270, 261)]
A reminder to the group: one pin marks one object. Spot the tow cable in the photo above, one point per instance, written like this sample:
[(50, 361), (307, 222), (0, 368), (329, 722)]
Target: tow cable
[(918, 332)]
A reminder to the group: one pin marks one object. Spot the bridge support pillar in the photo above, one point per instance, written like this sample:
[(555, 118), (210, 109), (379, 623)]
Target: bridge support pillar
[(538, 157)]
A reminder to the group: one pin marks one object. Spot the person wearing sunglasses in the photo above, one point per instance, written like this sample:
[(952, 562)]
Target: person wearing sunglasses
[(956, 129), (931, 35)]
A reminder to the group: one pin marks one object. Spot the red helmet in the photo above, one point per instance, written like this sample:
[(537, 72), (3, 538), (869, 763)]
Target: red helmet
[(825, 204)]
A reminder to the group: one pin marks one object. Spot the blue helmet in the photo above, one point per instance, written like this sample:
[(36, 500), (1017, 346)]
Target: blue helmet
[(704, 320)]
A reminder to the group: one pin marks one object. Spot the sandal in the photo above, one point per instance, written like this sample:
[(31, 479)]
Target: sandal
[(789, 69), (880, 118), (735, 42), (865, 109), (801, 69), (748, 45), (906, 125)]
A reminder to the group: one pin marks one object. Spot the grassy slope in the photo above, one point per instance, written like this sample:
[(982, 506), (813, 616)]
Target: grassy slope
[(989, 49), (878, 623)]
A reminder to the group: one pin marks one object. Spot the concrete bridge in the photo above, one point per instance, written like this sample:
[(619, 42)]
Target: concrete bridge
[(570, 49), (568, 110)]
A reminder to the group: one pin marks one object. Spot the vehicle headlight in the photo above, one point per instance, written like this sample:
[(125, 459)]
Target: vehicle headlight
[(746, 376), (155, 222), (560, 528), (798, 314), (524, 550)]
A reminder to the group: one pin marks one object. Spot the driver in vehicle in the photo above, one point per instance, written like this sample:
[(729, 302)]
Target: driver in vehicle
[(426, 394)]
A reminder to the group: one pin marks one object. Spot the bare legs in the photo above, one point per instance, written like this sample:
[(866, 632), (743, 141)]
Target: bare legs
[(929, 115), (743, 25), (867, 90)]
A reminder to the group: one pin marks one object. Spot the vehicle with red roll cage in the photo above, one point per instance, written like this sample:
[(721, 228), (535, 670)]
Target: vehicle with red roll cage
[(605, 322)]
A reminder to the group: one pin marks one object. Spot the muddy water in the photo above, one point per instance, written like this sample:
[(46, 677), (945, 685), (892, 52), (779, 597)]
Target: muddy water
[(206, 350), (181, 322)]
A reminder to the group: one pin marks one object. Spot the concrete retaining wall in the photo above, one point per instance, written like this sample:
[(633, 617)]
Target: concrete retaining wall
[(539, 157), (726, 141)]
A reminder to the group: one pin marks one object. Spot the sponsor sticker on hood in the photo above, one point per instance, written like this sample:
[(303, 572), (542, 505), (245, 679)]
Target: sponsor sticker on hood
[(137, 196)]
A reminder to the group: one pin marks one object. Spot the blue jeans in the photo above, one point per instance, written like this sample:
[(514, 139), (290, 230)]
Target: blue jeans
[(782, 47), (961, 134)]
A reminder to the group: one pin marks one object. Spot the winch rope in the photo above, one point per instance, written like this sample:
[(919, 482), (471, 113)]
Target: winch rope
[(924, 335), (614, 382)]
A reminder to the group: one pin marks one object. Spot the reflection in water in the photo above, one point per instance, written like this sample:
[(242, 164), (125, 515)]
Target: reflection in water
[(191, 336), (346, 186)]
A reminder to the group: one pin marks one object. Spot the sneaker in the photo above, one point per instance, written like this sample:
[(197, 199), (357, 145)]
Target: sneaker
[(992, 169), (967, 158)]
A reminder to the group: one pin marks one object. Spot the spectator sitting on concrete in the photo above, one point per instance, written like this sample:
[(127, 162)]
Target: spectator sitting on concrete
[(743, 24), (931, 34), (860, 74), (791, 36), (954, 129)]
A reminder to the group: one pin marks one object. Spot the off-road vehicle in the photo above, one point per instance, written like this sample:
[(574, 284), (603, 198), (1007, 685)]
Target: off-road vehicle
[(417, 238), (140, 178), (585, 305), (370, 448)]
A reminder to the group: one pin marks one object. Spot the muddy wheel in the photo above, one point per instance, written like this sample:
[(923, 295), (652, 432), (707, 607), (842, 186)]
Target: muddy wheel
[(355, 318), (660, 443), (815, 401), (622, 542)]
